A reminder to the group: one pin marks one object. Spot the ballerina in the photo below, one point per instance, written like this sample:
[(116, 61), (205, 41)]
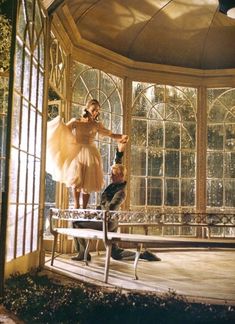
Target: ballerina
[(72, 156)]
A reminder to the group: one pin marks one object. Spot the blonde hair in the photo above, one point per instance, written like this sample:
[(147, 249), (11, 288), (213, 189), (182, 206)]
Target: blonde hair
[(92, 102), (120, 169)]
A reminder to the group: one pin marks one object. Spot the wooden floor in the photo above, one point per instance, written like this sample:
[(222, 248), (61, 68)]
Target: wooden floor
[(201, 275)]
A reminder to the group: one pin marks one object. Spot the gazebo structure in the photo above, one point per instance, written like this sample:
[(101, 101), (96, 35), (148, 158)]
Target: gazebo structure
[(164, 73)]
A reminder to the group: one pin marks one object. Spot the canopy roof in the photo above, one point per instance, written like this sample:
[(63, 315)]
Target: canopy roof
[(183, 33)]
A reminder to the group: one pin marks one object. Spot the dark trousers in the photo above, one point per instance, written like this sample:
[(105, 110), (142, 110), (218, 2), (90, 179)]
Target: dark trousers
[(80, 244), (117, 253)]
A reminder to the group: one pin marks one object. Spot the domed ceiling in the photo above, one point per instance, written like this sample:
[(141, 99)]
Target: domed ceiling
[(184, 33)]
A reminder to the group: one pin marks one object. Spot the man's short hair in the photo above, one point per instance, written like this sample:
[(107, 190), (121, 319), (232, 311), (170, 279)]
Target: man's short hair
[(119, 169)]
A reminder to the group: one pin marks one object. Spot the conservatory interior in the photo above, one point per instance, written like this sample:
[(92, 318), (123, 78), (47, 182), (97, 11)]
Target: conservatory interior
[(164, 74)]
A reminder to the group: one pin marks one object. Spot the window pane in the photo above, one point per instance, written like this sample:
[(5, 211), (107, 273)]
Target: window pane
[(215, 193), (230, 137), (172, 164), (187, 164), (187, 192), (229, 187), (215, 137), (16, 121), (139, 134), (138, 161), (154, 192), (215, 165), (155, 163), (172, 135), (14, 175), (155, 134), (229, 165), (188, 136), (138, 190), (172, 192)]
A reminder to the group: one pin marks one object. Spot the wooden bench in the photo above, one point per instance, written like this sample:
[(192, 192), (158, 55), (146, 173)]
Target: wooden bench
[(58, 216)]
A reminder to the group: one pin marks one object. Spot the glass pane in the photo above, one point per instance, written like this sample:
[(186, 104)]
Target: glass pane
[(21, 21), (171, 113), (24, 127), (28, 233), (32, 128), (217, 112), (172, 192), (188, 136), (106, 84), (18, 66), (139, 133), (230, 137), (154, 192), (16, 121), (26, 75), (22, 175), (35, 227), (105, 154), (155, 163), (188, 162), (229, 186), (38, 136), (141, 103), (229, 165), (90, 79), (115, 100), (138, 190), (3, 129), (138, 161), (215, 165), (172, 139), (188, 189), (41, 50), (30, 180), (215, 137), (34, 85), (13, 175), (172, 164), (37, 181), (20, 230), (215, 193), (155, 134), (116, 124), (157, 112), (38, 18), (29, 9), (188, 111), (11, 225), (40, 92)]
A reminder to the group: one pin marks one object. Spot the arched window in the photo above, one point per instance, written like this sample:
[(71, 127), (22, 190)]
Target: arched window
[(163, 146), (89, 83), (221, 148), (26, 135)]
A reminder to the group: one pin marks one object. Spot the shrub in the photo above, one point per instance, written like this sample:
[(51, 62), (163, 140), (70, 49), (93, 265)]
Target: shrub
[(35, 298)]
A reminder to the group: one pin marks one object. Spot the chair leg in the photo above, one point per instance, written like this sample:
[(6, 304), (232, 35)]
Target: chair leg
[(53, 248), (137, 256), (107, 262), (87, 251)]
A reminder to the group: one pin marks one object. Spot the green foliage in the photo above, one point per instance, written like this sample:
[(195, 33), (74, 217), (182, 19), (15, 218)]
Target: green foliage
[(5, 43), (37, 299)]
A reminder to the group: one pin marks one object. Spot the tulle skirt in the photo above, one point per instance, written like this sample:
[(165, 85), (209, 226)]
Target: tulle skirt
[(74, 164)]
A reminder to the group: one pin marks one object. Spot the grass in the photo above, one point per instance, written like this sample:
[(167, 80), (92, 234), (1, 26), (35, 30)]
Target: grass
[(36, 298)]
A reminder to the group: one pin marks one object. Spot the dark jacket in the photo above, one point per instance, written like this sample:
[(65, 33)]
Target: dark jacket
[(115, 194)]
